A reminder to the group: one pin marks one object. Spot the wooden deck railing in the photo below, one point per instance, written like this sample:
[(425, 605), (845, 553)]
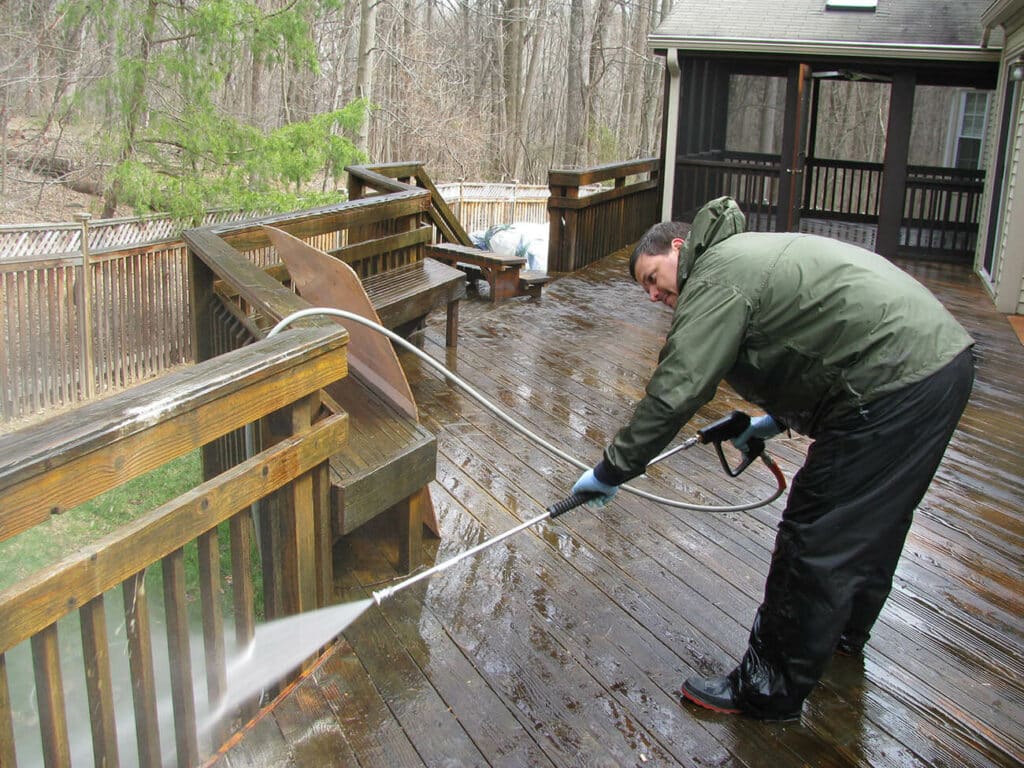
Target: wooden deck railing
[(584, 229), (255, 409), (479, 206), (89, 309), (940, 211), (77, 326), (842, 189), (74, 326), (52, 467), (751, 179), (237, 289), (400, 177)]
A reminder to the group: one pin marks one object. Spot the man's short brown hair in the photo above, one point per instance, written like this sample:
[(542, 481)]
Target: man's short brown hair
[(657, 240)]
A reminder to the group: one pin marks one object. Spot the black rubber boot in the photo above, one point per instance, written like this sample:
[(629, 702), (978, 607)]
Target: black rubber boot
[(714, 693), (719, 695)]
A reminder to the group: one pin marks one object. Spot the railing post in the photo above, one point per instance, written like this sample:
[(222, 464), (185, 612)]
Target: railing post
[(88, 389), (289, 523), (561, 229)]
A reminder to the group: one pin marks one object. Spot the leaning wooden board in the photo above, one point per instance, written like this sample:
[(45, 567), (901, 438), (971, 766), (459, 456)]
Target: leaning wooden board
[(324, 281)]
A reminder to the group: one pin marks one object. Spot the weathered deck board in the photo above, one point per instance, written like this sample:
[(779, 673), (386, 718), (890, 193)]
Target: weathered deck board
[(565, 645)]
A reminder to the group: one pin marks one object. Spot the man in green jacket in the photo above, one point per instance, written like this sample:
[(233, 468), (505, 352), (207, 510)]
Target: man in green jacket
[(836, 343)]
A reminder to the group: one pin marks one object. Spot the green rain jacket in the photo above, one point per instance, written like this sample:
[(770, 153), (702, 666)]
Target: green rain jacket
[(806, 327)]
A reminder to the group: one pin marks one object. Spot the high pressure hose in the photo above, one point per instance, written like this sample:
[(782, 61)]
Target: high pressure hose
[(501, 415)]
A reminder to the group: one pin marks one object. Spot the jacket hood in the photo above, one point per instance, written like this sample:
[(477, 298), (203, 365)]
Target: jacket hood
[(717, 220)]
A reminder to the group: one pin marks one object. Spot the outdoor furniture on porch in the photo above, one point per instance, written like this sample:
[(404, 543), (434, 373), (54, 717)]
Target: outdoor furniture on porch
[(504, 274)]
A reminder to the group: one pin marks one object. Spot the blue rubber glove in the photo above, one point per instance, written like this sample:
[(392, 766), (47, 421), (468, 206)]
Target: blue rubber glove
[(588, 483), (763, 427)]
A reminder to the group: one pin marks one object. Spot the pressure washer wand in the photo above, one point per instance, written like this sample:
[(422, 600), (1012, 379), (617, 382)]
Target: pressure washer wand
[(561, 507)]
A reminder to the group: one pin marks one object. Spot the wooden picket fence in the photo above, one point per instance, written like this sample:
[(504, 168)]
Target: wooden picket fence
[(479, 206), (87, 309)]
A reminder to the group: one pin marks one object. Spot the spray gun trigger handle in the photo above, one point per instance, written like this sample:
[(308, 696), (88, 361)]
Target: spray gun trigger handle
[(753, 449)]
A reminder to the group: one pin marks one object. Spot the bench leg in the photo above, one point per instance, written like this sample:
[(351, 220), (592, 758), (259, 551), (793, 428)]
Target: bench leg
[(504, 284), (409, 524), (451, 336)]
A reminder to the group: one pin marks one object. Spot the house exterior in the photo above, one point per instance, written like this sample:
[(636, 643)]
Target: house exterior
[(1000, 254), (904, 45)]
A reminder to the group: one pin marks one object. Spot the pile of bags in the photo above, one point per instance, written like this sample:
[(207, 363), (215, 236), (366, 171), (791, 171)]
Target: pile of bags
[(526, 240)]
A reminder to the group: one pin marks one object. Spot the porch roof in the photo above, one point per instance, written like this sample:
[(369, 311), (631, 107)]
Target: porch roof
[(908, 29)]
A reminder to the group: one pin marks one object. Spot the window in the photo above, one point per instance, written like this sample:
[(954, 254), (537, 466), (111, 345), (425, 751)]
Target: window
[(969, 136)]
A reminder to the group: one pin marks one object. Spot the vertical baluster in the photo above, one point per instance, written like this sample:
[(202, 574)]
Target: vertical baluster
[(7, 399), (95, 655), (859, 207), (85, 313), (7, 756), (140, 663), (213, 624), (53, 724), (185, 739)]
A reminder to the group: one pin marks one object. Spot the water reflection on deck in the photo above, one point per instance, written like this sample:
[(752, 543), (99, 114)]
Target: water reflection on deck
[(565, 645)]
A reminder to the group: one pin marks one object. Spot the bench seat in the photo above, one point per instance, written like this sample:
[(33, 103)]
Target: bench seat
[(403, 296), (531, 282)]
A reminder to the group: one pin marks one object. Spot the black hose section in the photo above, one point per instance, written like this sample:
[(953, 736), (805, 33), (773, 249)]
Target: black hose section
[(571, 502)]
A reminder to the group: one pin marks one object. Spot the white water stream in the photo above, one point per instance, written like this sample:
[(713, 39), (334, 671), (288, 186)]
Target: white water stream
[(281, 646)]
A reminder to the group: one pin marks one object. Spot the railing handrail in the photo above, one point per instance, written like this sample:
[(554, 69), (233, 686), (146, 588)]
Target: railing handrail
[(864, 165), (282, 370), (134, 415), (581, 177), (967, 175)]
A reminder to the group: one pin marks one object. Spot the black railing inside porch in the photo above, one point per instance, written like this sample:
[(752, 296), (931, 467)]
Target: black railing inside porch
[(941, 207)]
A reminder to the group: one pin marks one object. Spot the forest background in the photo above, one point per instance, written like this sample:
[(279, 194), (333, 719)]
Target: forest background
[(142, 106)]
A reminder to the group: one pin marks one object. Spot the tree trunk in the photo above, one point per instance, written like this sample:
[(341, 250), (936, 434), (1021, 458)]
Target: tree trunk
[(364, 70), (575, 103), (511, 78), (136, 106), (597, 65)]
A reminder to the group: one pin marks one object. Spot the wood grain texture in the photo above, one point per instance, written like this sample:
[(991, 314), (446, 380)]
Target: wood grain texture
[(566, 645)]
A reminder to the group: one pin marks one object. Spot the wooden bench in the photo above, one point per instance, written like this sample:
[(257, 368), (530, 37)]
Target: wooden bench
[(384, 466), (504, 274), (403, 296), (389, 460)]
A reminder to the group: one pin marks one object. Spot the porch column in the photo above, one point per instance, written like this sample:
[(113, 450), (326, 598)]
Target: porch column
[(794, 148), (670, 134), (894, 166)]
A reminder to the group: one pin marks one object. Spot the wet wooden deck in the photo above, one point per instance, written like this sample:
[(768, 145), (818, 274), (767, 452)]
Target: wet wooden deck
[(565, 645)]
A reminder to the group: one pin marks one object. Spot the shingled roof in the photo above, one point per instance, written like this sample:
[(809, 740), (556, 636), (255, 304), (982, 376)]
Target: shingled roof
[(923, 29)]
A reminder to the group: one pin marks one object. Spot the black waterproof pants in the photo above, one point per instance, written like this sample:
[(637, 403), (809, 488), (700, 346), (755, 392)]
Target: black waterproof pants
[(841, 535)]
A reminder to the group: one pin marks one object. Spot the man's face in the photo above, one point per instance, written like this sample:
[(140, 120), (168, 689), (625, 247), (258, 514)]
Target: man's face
[(657, 274)]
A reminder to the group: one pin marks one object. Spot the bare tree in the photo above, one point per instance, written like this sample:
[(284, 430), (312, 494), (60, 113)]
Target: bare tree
[(364, 67)]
